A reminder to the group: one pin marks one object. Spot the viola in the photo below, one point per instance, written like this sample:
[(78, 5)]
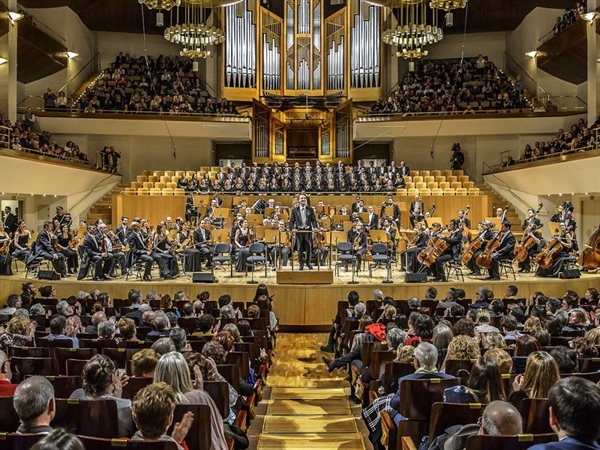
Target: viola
[(590, 257)]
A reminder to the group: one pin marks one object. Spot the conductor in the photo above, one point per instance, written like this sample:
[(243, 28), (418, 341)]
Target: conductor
[(303, 221)]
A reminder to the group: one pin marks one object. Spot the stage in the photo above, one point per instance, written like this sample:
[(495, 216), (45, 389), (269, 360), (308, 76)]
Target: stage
[(304, 307)]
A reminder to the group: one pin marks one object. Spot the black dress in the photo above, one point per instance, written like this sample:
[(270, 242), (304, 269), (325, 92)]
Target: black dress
[(5, 258), (243, 252)]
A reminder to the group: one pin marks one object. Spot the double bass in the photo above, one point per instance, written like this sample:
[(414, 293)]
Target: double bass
[(484, 260), (590, 257)]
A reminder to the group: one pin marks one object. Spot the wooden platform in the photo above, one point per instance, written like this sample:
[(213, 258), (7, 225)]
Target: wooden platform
[(306, 307), (287, 276)]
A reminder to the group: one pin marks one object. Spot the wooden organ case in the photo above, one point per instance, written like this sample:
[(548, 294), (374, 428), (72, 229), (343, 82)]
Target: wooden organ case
[(301, 63)]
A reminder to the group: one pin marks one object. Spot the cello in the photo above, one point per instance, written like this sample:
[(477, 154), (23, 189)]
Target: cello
[(472, 248), (545, 258), (590, 257), (484, 260), (435, 247), (527, 243)]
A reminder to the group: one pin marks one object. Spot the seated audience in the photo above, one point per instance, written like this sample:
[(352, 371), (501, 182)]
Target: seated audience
[(33, 401)]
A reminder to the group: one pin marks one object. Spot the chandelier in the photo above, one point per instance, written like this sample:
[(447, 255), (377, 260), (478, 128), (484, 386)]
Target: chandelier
[(413, 33), (189, 28), (160, 4), (447, 5)]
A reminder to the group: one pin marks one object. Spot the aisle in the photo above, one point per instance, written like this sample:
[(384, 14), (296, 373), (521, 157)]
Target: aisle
[(308, 407)]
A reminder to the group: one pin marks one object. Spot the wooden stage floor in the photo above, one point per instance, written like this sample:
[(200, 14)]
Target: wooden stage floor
[(308, 306)]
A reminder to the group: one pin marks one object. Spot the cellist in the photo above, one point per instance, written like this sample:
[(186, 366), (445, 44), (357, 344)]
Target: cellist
[(504, 252), (563, 237), (454, 242), (485, 234), (539, 242), (415, 246)]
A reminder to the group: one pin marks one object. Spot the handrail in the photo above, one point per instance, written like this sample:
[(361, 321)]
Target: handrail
[(79, 72), (524, 72), (44, 28), (72, 161)]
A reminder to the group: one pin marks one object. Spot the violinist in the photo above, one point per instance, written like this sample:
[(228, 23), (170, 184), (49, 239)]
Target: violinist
[(536, 247), (21, 241), (202, 239), (123, 231), (114, 248), (357, 236), (44, 249), (531, 220), (138, 250), (320, 251), (64, 245), (558, 249), (93, 252), (242, 240), (454, 242), (390, 232), (161, 253), (283, 247), (416, 245), (504, 252), (5, 259)]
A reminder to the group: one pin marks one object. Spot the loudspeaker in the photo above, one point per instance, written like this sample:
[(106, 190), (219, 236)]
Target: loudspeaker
[(415, 278), (198, 277), (570, 273), (48, 275)]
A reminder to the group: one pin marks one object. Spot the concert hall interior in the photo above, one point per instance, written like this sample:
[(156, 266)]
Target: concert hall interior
[(315, 146)]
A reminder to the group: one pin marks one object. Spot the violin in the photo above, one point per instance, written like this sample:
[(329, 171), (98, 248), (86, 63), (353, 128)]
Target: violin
[(590, 257), (484, 260)]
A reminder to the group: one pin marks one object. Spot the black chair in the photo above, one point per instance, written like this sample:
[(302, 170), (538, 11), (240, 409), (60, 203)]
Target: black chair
[(380, 253), (453, 267), (199, 436), (65, 385), (18, 441), (257, 255), (92, 443), (345, 256), (62, 354), (96, 417), (23, 367), (9, 420), (518, 442), (222, 255)]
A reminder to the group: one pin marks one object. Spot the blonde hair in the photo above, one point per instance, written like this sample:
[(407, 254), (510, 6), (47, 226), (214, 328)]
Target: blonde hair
[(532, 324), (501, 358), (541, 372), (18, 325), (406, 354), (594, 335), (463, 347), (127, 327), (144, 361)]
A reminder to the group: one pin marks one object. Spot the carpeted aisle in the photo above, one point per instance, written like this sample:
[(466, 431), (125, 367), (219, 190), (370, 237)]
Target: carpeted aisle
[(308, 407)]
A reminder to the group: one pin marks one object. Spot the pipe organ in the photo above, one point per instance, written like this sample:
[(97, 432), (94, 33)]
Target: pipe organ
[(307, 59)]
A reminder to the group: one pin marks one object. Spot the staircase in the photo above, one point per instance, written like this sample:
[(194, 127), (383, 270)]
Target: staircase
[(102, 209), (499, 202)]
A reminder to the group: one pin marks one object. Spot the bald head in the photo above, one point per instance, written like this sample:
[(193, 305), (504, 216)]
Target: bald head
[(500, 418)]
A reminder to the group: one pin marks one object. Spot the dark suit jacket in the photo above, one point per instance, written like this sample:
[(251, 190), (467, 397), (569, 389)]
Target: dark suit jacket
[(10, 222), (91, 246), (198, 237), (374, 222), (123, 233), (296, 218), (507, 246), (43, 247), (567, 443), (405, 171)]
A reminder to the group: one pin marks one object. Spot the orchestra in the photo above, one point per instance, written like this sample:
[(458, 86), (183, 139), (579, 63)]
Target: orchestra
[(304, 234)]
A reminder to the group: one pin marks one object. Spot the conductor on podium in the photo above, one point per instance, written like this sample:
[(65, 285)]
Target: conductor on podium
[(303, 221)]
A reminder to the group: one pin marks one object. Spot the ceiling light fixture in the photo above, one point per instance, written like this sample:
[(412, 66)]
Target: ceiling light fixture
[(532, 53), (72, 55), (15, 16), (3, 60)]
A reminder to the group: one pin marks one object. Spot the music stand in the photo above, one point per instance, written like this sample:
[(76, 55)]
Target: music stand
[(221, 236), (237, 200), (202, 200), (431, 220), (496, 222), (339, 219)]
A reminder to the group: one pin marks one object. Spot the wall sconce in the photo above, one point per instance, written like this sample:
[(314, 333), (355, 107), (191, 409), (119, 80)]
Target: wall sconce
[(532, 53), (15, 16), (589, 16), (72, 55), (3, 60)]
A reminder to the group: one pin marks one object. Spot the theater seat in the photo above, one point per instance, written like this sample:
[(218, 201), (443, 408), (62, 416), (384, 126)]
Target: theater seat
[(518, 442), (102, 444)]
